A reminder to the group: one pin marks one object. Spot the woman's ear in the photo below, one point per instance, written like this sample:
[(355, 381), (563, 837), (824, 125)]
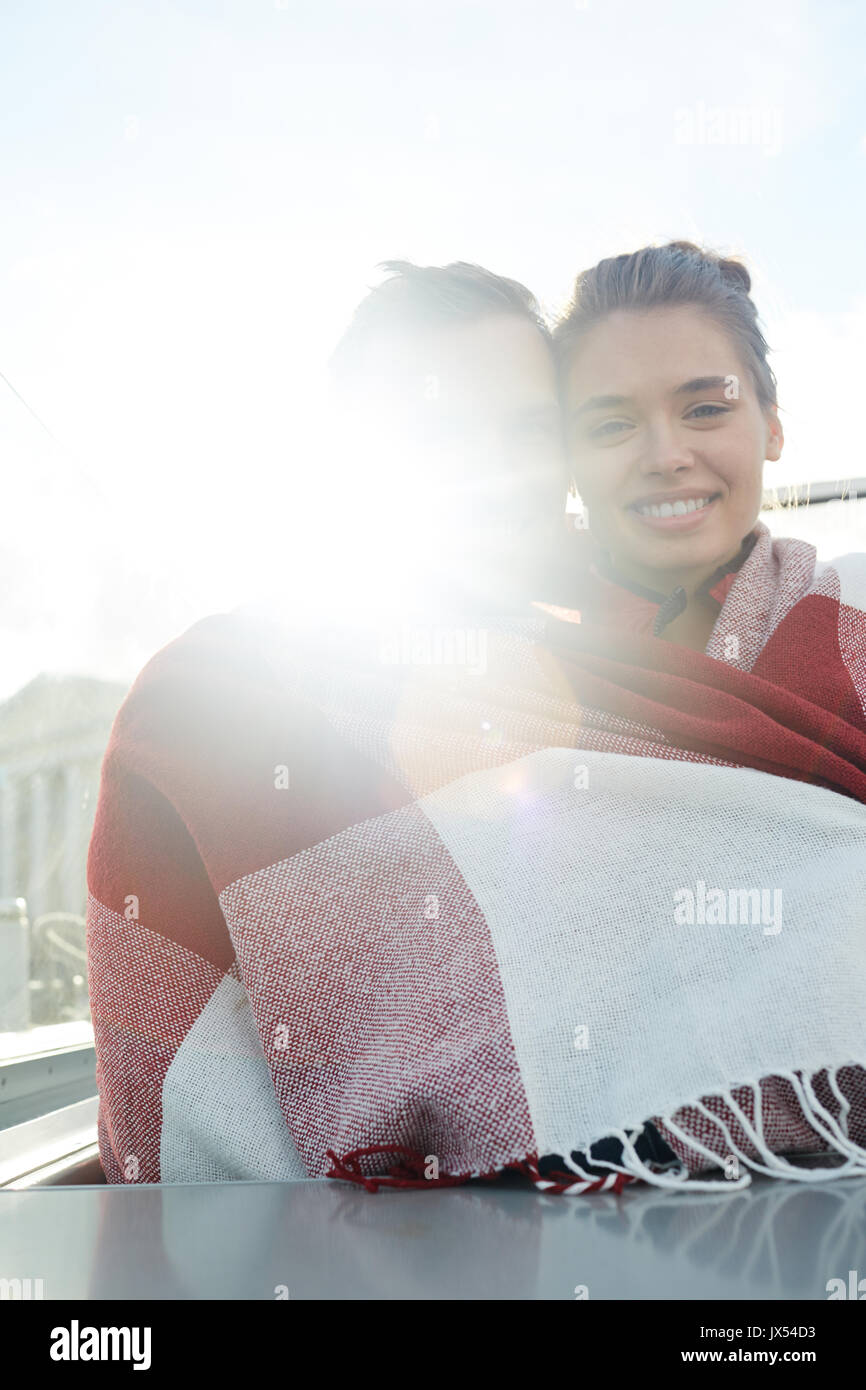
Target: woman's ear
[(775, 435)]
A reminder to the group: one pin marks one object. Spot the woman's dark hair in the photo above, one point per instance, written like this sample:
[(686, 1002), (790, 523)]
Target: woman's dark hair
[(660, 276), (418, 297)]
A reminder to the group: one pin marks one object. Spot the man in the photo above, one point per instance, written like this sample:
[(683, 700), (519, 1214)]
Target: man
[(442, 459), (230, 756)]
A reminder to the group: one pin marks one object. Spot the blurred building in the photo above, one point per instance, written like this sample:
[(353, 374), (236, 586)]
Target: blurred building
[(53, 733)]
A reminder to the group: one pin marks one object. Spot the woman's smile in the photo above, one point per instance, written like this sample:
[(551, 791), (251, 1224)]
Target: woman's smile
[(674, 511)]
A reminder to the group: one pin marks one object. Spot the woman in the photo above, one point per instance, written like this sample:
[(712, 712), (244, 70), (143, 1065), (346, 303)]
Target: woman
[(671, 411)]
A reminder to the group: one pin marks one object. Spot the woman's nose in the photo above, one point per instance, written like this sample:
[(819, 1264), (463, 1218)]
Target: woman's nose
[(665, 452)]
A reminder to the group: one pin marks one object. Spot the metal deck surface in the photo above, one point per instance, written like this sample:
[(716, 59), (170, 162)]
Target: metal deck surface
[(329, 1240)]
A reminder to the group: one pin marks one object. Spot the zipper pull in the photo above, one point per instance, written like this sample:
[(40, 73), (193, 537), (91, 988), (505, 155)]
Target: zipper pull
[(672, 607)]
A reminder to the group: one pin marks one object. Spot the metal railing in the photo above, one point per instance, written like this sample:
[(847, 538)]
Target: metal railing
[(809, 494), (43, 967)]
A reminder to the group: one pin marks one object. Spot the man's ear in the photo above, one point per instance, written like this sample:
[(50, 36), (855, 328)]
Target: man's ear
[(775, 435)]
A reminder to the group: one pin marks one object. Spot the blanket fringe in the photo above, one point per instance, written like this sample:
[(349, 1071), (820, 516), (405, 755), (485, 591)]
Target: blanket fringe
[(832, 1129), (563, 1184), (410, 1173)]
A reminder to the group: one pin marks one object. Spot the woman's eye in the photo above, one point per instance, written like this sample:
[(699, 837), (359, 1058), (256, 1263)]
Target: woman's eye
[(713, 410)]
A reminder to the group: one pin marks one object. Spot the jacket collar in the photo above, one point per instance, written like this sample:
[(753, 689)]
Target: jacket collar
[(640, 609)]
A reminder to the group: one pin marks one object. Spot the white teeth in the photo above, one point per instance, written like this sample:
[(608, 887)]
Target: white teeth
[(678, 508)]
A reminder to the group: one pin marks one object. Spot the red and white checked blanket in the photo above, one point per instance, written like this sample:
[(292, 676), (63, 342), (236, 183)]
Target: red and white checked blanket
[(426, 902)]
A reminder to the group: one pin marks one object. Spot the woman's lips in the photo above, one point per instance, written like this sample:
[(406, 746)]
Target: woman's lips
[(688, 522)]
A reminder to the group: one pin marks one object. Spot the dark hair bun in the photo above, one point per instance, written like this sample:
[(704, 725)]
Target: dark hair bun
[(736, 274), (731, 271)]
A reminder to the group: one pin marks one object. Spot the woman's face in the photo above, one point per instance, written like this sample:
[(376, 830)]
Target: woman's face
[(662, 417)]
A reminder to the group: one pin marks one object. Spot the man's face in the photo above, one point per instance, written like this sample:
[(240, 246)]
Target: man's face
[(663, 415), (457, 434)]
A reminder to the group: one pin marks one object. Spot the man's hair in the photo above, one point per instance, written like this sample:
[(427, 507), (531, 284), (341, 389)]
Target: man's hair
[(419, 297)]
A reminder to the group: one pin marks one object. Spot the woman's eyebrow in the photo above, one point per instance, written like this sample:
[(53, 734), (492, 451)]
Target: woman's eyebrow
[(701, 383), (697, 383)]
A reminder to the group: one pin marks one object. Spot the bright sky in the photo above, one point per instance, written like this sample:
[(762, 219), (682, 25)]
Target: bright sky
[(195, 195)]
